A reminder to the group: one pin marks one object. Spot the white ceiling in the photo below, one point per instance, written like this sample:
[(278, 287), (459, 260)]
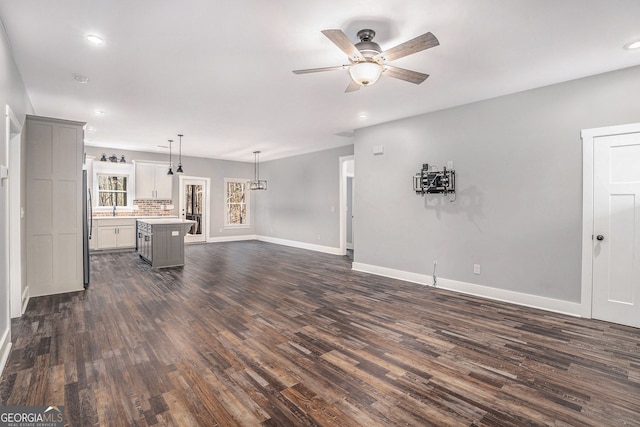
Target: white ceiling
[(220, 72)]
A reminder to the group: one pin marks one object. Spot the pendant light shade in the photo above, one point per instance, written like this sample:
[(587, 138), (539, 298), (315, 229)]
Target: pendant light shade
[(179, 170), (257, 183), (170, 172)]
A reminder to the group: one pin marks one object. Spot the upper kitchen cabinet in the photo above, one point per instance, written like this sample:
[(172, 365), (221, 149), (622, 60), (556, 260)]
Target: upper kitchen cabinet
[(54, 228), (152, 181)]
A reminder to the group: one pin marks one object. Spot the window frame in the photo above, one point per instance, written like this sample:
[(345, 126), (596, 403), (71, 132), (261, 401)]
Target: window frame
[(112, 169), (127, 192), (247, 203)]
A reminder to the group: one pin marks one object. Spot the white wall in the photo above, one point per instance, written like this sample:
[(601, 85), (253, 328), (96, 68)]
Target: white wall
[(518, 211), (14, 94), (302, 202)]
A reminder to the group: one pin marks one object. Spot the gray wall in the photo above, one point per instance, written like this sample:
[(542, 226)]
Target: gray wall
[(217, 170), (518, 211), (14, 94), (302, 202)]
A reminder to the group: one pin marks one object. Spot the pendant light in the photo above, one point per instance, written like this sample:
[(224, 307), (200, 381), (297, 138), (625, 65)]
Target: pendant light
[(179, 170), (170, 172), (257, 183)]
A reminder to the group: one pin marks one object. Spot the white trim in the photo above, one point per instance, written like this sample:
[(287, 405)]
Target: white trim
[(588, 139), (5, 348), (342, 162), (528, 300), (243, 237), (301, 245), (205, 203), (14, 208), (247, 201)]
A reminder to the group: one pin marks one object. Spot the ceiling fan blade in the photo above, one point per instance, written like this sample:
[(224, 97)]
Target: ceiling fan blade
[(418, 44), (353, 86), (341, 40), (317, 70), (406, 75)]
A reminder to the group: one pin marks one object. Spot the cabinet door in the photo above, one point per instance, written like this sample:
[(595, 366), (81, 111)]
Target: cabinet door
[(164, 183), (145, 180), (107, 237), (126, 236)]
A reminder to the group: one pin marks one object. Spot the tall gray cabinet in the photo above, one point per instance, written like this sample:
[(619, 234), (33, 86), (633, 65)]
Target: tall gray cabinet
[(54, 228)]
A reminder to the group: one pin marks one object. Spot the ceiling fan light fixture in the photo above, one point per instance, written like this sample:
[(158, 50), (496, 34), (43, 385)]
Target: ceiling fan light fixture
[(365, 73)]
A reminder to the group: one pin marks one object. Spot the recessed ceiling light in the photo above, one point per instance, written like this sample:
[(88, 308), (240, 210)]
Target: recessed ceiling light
[(99, 113), (97, 40), (81, 79), (633, 45), (363, 116)]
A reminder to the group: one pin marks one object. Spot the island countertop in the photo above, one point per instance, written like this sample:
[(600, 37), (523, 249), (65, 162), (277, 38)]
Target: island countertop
[(165, 221)]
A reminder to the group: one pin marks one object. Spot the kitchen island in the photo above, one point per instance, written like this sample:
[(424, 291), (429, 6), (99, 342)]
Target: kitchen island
[(160, 241)]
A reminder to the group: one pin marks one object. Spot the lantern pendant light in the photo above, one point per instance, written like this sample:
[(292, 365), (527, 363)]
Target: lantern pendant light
[(170, 172), (179, 170), (257, 183)]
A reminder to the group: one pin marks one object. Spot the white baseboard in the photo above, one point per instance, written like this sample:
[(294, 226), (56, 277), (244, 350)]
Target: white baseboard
[(232, 238), (527, 300), (5, 347), (301, 245), (349, 245), (293, 243)]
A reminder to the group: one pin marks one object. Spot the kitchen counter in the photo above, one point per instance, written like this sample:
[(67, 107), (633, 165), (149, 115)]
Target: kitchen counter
[(160, 241), (166, 220)]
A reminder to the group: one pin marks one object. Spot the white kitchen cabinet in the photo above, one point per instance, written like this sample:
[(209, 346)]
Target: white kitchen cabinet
[(115, 233), (152, 181)]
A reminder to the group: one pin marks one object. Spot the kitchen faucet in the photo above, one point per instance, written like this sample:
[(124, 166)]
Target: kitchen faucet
[(114, 207)]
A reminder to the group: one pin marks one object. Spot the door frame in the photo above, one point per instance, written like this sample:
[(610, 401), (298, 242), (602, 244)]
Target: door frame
[(589, 137), (205, 202), (17, 297), (343, 201)]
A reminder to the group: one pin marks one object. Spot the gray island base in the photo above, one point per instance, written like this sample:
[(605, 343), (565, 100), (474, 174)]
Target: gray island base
[(160, 241)]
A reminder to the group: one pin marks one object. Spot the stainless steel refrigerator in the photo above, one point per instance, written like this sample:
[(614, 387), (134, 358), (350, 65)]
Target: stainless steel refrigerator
[(87, 213)]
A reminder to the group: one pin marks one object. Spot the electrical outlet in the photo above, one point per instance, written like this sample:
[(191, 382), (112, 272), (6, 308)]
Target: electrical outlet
[(450, 165), (476, 268)]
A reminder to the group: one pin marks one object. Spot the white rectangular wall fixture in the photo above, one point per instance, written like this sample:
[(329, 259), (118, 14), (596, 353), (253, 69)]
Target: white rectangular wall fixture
[(378, 150)]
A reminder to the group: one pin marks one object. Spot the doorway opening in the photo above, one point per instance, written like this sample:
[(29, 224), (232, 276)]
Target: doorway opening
[(194, 205), (347, 186)]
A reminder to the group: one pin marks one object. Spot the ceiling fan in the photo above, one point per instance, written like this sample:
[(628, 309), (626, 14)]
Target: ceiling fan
[(368, 61)]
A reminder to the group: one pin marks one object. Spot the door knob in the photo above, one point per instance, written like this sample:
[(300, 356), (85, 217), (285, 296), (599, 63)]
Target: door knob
[(600, 237)]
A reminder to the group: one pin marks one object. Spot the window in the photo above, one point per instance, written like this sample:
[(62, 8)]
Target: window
[(112, 190), (237, 203)]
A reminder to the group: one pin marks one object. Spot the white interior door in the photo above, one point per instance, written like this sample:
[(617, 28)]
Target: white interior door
[(616, 229), (194, 206)]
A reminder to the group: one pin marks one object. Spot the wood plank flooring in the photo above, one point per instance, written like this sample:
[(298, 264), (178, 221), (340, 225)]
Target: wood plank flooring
[(255, 334)]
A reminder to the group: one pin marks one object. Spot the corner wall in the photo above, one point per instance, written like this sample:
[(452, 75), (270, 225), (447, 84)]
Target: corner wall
[(301, 206), (518, 212)]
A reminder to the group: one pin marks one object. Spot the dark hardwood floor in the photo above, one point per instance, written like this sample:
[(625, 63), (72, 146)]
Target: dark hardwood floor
[(251, 333)]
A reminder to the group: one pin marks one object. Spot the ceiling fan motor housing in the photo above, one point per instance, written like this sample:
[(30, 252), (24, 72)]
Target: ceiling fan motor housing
[(367, 47)]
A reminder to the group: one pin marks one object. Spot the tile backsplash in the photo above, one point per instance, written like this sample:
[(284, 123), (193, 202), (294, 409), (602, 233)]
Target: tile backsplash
[(155, 207)]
